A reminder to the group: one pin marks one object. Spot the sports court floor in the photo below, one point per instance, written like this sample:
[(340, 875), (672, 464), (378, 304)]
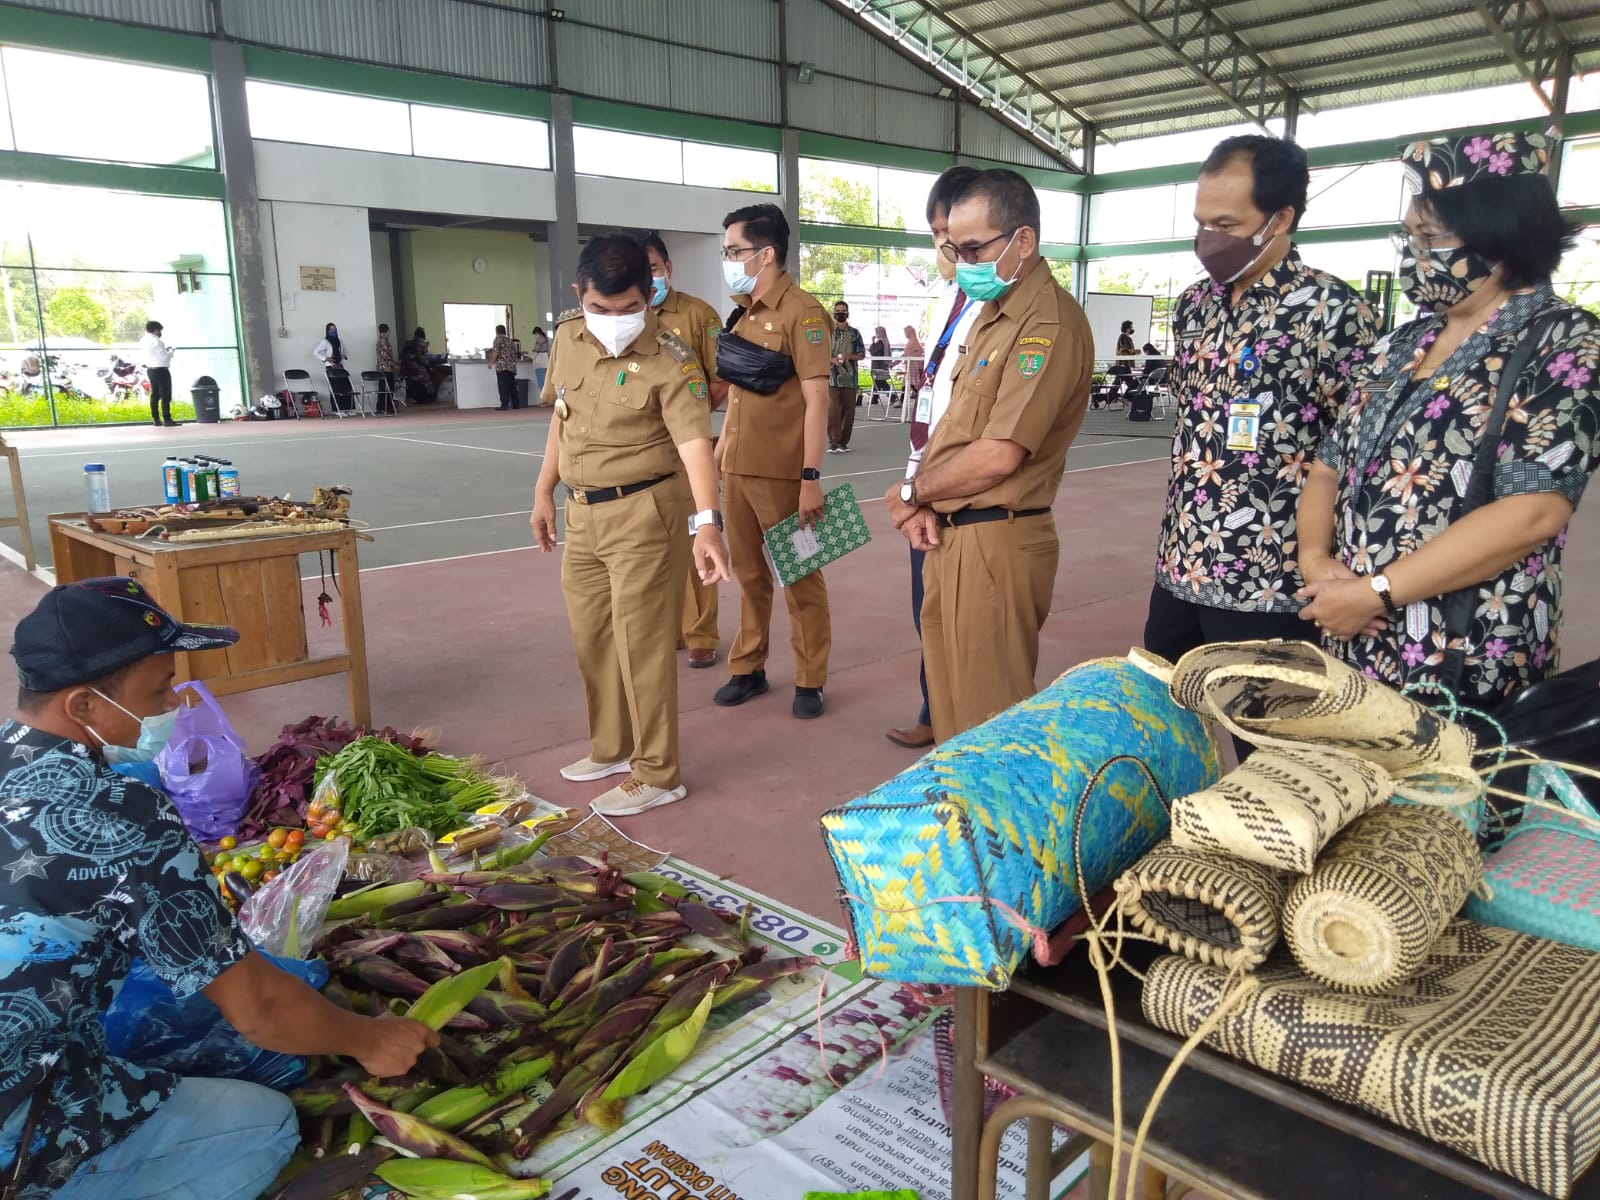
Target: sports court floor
[(467, 630)]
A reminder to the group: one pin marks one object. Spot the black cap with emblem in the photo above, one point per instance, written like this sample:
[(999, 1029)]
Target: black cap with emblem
[(83, 631)]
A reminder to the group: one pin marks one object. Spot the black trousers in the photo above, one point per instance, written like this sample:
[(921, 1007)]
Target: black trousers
[(160, 393), (386, 392), (924, 717), (507, 382)]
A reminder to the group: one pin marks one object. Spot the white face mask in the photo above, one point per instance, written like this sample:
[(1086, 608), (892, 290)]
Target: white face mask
[(154, 734), (615, 333)]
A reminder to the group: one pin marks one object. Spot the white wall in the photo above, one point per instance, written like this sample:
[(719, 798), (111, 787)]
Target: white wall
[(697, 266), (323, 175), (320, 235), (634, 204), (383, 286)]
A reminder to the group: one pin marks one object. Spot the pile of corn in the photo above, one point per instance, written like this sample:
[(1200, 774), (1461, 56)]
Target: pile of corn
[(559, 989)]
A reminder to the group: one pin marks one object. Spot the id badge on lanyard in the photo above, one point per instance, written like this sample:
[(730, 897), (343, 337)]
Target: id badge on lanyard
[(925, 404)]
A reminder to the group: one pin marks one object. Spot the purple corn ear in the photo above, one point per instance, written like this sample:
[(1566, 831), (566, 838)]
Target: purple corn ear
[(500, 1010), (466, 948), (412, 1136), (415, 904), (366, 946), (706, 921), (523, 897), (565, 962), (759, 977), (610, 991), (619, 1024), (574, 1085), (384, 976), (443, 916), (334, 1175)]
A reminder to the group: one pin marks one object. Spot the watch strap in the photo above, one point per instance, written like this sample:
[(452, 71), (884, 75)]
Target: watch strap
[(810, 474)]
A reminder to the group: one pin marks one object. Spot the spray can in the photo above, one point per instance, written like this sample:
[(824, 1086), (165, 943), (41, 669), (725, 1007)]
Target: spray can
[(227, 479), (96, 488), (170, 485)]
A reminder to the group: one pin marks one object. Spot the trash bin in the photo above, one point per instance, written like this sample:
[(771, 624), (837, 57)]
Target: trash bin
[(207, 398), (524, 386)]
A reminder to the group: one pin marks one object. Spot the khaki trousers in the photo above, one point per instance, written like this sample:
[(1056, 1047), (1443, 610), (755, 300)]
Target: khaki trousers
[(986, 593), (841, 414), (699, 611), (622, 576), (752, 504)]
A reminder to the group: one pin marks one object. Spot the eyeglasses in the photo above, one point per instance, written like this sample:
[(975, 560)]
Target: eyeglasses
[(1416, 243), (969, 254), (732, 253)]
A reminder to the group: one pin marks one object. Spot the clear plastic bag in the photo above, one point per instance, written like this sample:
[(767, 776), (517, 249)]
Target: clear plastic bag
[(299, 897), (206, 768)]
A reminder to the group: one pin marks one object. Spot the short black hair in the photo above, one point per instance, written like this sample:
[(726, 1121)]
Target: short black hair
[(383, 329), (500, 329), (764, 225), (1012, 201), (153, 327), (1277, 165), (1514, 221), (651, 240), (419, 332), (945, 189), (1127, 327), (611, 264)]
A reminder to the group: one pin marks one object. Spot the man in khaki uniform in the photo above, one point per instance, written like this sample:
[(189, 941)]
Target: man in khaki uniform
[(631, 421), (771, 455), (980, 504), (697, 323)]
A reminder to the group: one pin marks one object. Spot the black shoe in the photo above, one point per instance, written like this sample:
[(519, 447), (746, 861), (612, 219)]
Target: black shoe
[(807, 703), (170, 424), (740, 688), (157, 424)]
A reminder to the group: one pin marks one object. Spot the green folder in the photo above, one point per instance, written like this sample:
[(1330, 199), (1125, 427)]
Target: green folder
[(793, 552)]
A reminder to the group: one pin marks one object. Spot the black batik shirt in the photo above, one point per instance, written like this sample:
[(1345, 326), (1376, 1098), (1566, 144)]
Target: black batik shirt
[(95, 870), (1288, 348)]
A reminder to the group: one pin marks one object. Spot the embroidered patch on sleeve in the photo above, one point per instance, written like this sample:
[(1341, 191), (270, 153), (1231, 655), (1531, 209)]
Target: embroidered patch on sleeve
[(1030, 363)]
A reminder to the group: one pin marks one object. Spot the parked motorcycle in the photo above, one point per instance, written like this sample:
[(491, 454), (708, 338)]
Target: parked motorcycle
[(124, 380)]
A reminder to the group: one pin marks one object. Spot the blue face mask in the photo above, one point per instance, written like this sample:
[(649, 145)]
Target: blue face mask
[(982, 280), (740, 282), (154, 734), (658, 290)]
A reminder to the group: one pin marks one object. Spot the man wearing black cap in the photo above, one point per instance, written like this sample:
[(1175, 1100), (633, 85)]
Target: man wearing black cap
[(95, 869)]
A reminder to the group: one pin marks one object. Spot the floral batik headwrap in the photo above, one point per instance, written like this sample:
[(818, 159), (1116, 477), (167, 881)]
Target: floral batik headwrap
[(1451, 162)]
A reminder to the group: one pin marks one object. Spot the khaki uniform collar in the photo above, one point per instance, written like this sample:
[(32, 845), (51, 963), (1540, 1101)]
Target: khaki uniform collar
[(772, 298), (1022, 294)]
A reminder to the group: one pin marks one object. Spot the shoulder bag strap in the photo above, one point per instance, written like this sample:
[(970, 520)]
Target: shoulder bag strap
[(1459, 605)]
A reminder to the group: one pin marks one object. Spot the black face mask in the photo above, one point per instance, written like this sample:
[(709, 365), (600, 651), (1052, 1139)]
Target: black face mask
[(841, 318)]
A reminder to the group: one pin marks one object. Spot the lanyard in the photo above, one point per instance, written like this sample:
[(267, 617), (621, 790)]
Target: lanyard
[(937, 356)]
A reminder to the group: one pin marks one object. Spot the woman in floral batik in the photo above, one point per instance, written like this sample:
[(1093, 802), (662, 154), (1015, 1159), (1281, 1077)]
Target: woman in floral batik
[(1384, 540)]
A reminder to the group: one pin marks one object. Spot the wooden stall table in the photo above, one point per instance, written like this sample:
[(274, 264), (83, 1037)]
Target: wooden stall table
[(1223, 1129), (252, 584)]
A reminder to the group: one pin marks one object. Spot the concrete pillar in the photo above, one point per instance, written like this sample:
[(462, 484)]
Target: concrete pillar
[(1558, 117), (1080, 277), (236, 157), (564, 232), (789, 185), (1291, 115)]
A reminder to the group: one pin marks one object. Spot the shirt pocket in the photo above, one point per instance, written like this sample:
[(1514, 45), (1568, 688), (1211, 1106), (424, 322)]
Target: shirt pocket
[(632, 396)]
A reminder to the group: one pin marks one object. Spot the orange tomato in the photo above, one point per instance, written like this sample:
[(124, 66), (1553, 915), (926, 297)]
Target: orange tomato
[(295, 838), (277, 838)]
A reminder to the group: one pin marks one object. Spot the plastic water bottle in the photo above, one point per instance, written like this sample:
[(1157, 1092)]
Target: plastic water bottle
[(227, 479), (96, 488), (170, 484)]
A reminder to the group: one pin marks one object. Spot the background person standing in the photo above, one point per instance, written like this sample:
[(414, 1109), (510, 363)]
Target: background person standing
[(155, 356), (502, 359), (1264, 349), (844, 379), (696, 322), (771, 452), (385, 369)]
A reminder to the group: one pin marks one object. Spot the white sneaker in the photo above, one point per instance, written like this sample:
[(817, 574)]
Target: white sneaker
[(586, 770), (631, 797)]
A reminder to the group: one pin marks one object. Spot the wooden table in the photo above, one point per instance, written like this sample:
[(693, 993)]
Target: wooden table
[(1223, 1127), (252, 584)]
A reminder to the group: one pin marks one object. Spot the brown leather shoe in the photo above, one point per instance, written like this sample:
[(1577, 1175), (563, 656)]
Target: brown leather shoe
[(703, 658), (914, 738)]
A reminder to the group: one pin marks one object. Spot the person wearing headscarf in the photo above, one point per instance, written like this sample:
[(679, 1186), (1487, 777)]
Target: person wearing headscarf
[(1387, 538), (330, 350), (912, 357)]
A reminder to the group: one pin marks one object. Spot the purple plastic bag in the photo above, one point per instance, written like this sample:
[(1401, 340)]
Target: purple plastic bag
[(205, 768)]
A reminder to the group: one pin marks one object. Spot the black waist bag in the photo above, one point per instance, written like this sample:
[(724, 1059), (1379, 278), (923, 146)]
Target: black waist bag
[(751, 367)]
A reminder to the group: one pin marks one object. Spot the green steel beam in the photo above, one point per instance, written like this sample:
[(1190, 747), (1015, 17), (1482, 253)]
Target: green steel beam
[(102, 39), (121, 177)]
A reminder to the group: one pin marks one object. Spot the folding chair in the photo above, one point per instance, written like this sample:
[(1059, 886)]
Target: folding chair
[(372, 393), (1155, 383), (303, 394), (342, 398)]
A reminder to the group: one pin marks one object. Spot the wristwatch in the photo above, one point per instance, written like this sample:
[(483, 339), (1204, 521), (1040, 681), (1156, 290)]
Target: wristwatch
[(810, 474), (703, 519), (908, 492), (1380, 584)]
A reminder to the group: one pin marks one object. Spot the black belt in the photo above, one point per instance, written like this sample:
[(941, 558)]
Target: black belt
[(977, 516), (601, 495)]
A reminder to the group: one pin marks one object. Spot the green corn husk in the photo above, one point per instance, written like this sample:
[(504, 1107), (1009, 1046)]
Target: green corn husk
[(451, 1110), (572, 1088), (361, 1130), (431, 1180), (511, 856), (660, 1057), (370, 900), (411, 1135), (758, 977), (449, 996)]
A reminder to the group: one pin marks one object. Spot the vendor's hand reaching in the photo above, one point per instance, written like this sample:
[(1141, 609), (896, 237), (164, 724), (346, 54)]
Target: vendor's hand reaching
[(394, 1044)]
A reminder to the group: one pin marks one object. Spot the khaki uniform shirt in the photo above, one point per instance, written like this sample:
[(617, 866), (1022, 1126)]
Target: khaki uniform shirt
[(1022, 376), (697, 323), (625, 416), (765, 435)]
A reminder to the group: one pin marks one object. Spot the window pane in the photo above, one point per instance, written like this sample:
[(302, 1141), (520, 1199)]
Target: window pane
[(1166, 149), (1577, 279), (903, 199), (1058, 213), (1063, 271), (100, 108), (836, 193), (1491, 107), (319, 118), (1580, 173), (89, 310), (1138, 215), (627, 155), (5, 111), (1159, 276), (13, 226), (1370, 194), (85, 227), (729, 167), (479, 137)]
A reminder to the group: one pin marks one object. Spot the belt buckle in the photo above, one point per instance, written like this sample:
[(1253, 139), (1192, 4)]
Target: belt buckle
[(578, 494)]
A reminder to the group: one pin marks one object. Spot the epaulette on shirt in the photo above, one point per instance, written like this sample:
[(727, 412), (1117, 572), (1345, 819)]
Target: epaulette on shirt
[(571, 314), (675, 346)]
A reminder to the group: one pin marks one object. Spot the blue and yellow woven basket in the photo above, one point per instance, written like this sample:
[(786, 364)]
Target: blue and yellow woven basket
[(991, 815)]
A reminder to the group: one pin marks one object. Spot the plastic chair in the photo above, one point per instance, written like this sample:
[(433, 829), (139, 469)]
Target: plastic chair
[(303, 394)]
